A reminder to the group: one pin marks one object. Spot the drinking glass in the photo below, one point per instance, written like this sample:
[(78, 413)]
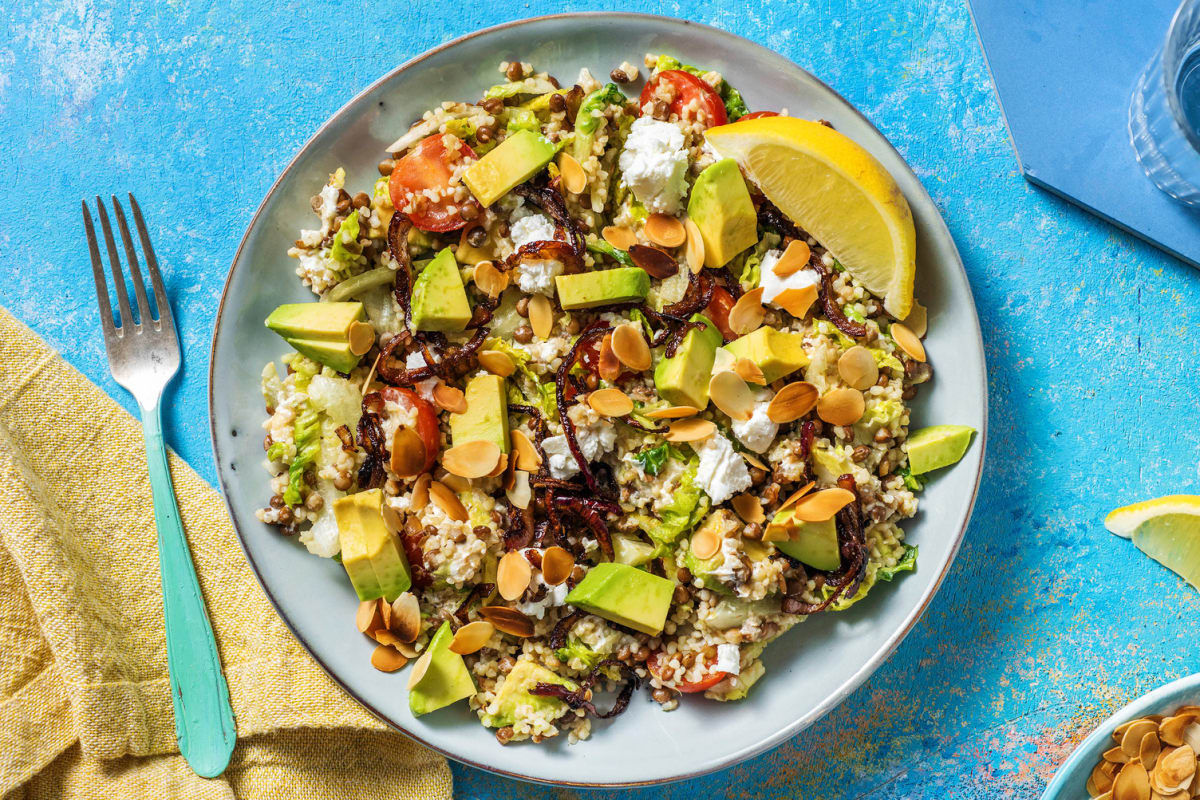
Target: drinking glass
[(1164, 113)]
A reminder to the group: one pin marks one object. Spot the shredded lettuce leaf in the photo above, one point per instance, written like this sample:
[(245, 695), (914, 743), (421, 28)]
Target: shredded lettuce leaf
[(653, 459), (751, 267), (690, 505), (531, 85), (735, 106), (346, 232), (911, 481), (604, 248), (906, 563), (546, 398), (307, 438), (587, 123), (577, 649)]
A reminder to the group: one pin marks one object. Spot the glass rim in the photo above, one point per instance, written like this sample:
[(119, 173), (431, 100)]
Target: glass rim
[(1169, 70)]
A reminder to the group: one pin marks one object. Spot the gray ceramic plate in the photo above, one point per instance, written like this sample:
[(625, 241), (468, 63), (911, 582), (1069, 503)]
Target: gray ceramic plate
[(808, 672), (1070, 782)]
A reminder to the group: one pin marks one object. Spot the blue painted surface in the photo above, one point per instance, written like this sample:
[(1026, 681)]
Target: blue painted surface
[(1065, 72), (1046, 622)]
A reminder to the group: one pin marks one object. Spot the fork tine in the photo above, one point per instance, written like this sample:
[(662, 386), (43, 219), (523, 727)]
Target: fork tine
[(139, 288), (114, 263), (106, 319), (160, 292)]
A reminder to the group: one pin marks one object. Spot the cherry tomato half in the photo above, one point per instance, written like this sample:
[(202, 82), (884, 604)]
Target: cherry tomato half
[(429, 166), (758, 114), (718, 311), (427, 422), (688, 88), (654, 664)]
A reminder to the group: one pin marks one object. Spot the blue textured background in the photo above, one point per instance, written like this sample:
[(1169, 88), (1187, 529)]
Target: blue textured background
[(1045, 623)]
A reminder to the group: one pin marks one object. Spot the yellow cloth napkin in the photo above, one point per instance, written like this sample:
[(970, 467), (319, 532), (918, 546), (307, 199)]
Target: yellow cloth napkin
[(85, 707)]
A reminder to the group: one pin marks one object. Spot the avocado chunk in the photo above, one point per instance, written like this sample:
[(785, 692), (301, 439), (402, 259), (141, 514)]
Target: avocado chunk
[(486, 417), (514, 701), (439, 300), (721, 208), (320, 331), (335, 355), (514, 161), (631, 551), (625, 595), (446, 680), (937, 446), (602, 287), (811, 543), (371, 553), (682, 379), (777, 353)]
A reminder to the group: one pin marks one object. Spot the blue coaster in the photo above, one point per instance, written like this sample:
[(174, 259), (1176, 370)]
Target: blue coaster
[(1064, 72)]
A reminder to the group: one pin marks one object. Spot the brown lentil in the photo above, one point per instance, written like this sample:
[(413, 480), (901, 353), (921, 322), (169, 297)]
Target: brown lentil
[(386, 166), (523, 334), (477, 235), (361, 200), (860, 454), (558, 103), (619, 75), (514, 72), (523, 306), (504, 735)]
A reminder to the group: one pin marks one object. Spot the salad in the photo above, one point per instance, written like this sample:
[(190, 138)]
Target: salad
[(585, 401)]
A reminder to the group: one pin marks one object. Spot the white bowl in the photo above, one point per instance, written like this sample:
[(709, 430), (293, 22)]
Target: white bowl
[(810, 670)]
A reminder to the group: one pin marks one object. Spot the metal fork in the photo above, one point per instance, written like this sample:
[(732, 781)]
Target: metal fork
[(143, 356)]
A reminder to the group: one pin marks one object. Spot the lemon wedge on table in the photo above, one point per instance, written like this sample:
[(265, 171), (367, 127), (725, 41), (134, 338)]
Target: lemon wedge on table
[(837, 192), (1167, 529)]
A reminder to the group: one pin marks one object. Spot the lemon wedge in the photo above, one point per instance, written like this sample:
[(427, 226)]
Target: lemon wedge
[(837, 192), (1167, 529)]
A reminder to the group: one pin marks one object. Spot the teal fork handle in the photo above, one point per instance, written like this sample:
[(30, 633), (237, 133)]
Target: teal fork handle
[(203, 716)]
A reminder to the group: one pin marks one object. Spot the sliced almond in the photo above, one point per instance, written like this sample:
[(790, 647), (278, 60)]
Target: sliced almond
[(821, 506), (907, 341), (1132, 783), (608, 366), (520, 494), (796, 495), (541, 316), (368, 618), (408, 453), (419, 669), (748, 508), (1148, 750), (672, 412), (630, 347), (1131, 741), (392, 518), (917, 320), (705, 543), (420, 492), (471, 638), (386, 659), (611, 402), (1176, 769), (754, 461), (385, 611), (490, 280), (796, 302), (525, 454), (695, 247), (691, 429), (472, 459), (1102, 779), (619, 237), (857, 368), (513, 574), (665, 230), (792, 402), (557, 564), (794, 258), (747, 313), (406, 617), (1170, 730), (750, 372), (407, 650), (449, 398), (447, 501), (841, 406), (723, 360), (573, 176), (1191, 736), (500, 468), (496, 362), (508, 620), (454, 483), (1115, 755), (361, 337), (730, 393)]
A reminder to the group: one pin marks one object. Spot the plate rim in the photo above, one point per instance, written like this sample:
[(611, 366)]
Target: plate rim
[(854, 680)]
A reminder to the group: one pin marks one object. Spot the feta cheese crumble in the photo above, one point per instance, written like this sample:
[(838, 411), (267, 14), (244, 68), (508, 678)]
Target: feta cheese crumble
[(424, 388), (759, 431), (722, 472), (728, 659), (773, 285), (531, 228), (538, 275), (654, 163), (595, 434)]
